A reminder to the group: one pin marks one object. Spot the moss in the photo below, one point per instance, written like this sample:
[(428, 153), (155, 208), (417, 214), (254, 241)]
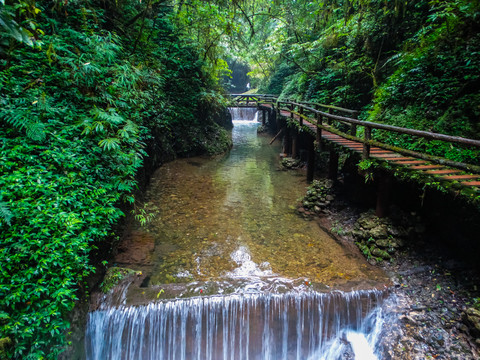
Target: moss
[(5, 345), (114, 275)]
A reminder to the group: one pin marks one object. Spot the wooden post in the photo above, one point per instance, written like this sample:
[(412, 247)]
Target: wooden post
[(294, 143), (333, 164), (272, 120), (353, 127), (319, 132), (286, 141), (383, 194), (263, 116), (301, 114), (310, 160), (366, 146)]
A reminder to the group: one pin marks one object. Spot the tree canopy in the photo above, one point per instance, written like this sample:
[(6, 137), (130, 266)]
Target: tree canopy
[(408, 63)]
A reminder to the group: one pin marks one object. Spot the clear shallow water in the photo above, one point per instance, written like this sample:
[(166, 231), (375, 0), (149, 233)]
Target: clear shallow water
[(211, 209), (231, 272)]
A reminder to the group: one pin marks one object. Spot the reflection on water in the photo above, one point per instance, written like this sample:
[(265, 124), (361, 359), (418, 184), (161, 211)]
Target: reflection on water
[(232, 218)]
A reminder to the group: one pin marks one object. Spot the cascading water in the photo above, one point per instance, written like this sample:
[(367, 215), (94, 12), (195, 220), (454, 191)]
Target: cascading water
[(244, 114), (306, 325), (231, 272)]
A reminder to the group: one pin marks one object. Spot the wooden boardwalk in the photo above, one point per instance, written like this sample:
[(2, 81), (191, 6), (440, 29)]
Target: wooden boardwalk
[(441, 172), (461, 178)]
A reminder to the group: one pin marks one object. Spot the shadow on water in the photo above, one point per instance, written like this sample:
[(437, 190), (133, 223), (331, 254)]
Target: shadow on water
[(231, 272)]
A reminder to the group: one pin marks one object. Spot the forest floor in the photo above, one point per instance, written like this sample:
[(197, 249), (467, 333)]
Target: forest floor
[(433, 292)]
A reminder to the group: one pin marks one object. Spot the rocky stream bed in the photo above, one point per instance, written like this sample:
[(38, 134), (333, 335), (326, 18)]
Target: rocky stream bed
[(436, 291)]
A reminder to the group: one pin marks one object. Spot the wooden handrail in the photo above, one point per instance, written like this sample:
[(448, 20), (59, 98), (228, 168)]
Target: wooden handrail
[(397, 129)]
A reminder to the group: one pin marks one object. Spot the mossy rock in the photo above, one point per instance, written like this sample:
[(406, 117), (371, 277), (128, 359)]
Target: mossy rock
[(5, 345), (290, 163), (381, 254), (319, 195), (472, 319), (114, 275)]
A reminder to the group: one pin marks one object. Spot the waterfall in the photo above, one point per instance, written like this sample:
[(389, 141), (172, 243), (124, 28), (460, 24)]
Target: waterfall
[(244, 114), (295, 325)]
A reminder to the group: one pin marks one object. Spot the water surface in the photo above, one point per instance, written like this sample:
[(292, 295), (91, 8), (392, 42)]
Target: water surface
[(232, 219)]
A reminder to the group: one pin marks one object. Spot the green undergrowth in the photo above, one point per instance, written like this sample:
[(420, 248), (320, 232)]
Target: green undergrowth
[(94, 89)]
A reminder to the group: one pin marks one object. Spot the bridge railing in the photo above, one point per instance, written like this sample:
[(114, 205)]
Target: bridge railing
[(324, 119), (251, 99)]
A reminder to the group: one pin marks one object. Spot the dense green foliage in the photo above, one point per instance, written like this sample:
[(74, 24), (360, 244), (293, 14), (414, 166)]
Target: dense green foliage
[(407, 63), (87, 88)]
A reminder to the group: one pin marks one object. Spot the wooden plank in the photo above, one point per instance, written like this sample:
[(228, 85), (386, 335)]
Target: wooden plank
[(410, 162), (442, 172), (390, 156), (471, 183), (427, 167), (459, 177), (404, 158)]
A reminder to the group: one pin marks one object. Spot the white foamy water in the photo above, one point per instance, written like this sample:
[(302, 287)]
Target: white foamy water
[(247, 268), (258, 326)]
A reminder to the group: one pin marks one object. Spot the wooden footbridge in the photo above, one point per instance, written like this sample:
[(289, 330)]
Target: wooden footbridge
[(339, 129)]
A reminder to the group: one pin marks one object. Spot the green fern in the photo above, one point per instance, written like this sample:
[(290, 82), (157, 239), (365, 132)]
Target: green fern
[(36, 131), (5, 213), (19, 118)]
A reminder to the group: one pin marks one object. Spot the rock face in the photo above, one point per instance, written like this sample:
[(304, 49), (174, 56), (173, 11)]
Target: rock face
[(379, 238), (471, 318), (319, 196)]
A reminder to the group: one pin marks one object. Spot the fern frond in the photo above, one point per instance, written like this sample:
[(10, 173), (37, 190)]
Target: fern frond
[(36, 131), (109, 116), (5, 213), (14, 117)]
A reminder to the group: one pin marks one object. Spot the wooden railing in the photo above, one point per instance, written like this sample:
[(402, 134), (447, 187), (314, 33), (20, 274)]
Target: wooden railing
[(319, 116), (324, 117)]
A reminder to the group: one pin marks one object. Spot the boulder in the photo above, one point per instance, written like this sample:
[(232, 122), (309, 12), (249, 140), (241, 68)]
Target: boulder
[(472, 320)]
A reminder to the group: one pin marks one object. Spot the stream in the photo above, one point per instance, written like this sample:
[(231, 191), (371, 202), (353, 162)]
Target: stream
[(229, 271)]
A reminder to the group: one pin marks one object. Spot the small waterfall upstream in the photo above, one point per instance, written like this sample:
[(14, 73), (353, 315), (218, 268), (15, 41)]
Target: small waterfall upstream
[(244, 114), (301, 326)]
